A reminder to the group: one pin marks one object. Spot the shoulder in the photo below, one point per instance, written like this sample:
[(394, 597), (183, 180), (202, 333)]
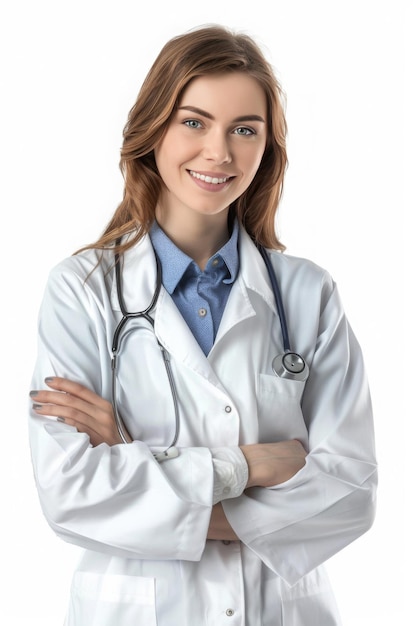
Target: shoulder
[(85, 272), (299, 268), (90, 274), (287, 267), (84, 263), (302, 279), (299, 278)]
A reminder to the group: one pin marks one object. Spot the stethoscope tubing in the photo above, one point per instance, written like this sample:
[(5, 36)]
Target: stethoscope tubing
[(278, 298), (129, 315), (116, 345), (288, 365)]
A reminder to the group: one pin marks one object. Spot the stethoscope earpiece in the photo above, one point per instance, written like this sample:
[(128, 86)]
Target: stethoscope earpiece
[(290, 365)]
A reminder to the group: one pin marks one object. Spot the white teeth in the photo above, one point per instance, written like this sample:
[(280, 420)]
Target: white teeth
[(208, 179)]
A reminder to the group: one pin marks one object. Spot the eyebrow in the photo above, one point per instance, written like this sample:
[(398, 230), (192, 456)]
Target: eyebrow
[(241, 118)]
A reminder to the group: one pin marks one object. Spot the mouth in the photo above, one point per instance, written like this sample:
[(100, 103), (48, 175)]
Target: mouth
[(212, 180)]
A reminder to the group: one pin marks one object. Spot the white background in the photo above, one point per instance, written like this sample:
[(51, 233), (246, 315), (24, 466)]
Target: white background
[(70, 73)]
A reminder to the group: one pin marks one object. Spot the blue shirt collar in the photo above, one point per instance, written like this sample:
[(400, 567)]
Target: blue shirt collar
[(174, 262)]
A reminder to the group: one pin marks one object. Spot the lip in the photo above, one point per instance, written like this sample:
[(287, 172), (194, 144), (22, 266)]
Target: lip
[(211, 181)]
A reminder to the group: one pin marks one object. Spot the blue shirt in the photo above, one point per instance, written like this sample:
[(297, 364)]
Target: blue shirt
[(200, 296)]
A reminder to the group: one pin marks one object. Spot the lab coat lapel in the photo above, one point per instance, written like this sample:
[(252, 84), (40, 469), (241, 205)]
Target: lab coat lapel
[(138, 286), (253, 276), (174, 333), (253, 270)]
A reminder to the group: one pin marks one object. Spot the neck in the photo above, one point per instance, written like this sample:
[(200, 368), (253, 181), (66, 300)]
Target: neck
[(200, 237)]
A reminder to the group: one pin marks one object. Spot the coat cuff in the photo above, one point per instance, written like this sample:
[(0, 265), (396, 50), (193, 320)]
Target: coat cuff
[(230, 473)]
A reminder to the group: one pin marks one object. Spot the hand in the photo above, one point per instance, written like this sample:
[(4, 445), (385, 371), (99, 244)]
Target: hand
[(219, 528), (74, 404), (270, 464)]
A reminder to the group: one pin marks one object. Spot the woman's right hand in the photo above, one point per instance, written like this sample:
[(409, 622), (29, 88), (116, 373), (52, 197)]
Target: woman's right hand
[(270, 464), (78, 406)]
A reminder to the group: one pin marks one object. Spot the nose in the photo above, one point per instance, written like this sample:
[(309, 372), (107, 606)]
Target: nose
[(217, 148)]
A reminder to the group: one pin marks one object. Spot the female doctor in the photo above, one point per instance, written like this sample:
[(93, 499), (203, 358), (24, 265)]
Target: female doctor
[(205, 478)]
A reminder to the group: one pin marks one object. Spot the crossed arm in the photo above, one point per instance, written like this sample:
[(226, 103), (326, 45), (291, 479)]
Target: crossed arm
[(269, 464)]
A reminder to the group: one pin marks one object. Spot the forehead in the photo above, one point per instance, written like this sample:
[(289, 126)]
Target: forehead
[(233, 94)]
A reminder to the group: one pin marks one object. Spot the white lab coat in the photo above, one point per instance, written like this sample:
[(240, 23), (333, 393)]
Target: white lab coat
[(143, 524)]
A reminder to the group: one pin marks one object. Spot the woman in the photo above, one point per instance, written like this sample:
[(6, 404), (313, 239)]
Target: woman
[(204, 487)]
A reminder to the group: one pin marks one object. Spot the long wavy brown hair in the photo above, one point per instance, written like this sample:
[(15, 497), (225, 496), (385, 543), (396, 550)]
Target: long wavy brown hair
[(200, 52)]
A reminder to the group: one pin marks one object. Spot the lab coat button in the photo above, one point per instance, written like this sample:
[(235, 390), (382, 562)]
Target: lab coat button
[(226, 490), (230, 612), (226, 542), (228, 409)]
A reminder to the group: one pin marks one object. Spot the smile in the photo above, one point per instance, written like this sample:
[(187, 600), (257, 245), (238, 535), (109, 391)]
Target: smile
[(209, 179)]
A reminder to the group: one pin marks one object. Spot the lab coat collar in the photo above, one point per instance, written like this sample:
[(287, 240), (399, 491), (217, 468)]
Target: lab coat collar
[(139, 281), (253, 271), (138, 270), (253, 276)]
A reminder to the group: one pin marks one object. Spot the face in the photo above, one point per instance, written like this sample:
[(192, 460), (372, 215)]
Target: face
[(213, 145)]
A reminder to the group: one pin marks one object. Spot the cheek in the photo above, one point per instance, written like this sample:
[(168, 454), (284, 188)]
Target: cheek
[(252, 163), (252, 153), (164, 161), (173, 152), (164, 151)]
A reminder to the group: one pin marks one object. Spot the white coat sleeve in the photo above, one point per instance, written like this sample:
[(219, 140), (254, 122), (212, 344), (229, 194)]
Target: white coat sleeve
[(295, 526), (114, 499)]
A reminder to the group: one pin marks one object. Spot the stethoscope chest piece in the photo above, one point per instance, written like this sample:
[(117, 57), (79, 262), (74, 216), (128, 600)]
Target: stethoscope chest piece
[(290, 365)]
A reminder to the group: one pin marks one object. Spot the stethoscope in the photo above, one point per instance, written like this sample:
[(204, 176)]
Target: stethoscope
[(287, 365)]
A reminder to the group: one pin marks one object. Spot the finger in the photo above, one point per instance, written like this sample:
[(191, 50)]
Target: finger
[(64, 404), (67, 414), (80, 414), (98, 431), (74, 389), (62, 399), (79, 397)]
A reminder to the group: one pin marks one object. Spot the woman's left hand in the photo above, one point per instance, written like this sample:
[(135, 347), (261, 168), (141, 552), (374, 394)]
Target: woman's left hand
[(74, 404)]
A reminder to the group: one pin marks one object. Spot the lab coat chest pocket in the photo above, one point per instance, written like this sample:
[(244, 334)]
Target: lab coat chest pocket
[(279, 409), (106, 600)]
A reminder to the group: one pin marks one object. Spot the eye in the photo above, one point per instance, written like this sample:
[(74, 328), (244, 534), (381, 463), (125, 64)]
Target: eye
[(193, 123), (244, 131)]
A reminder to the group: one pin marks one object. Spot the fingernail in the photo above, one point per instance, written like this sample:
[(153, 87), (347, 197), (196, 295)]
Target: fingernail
[(37, 406), (48, 379), (60, 419), (33, 393)]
